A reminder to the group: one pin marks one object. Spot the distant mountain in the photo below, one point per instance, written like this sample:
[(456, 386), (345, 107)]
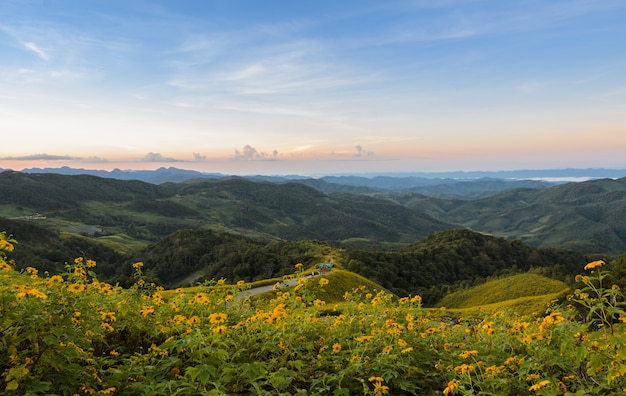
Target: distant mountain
[(148, 212), (467, 185), (157, 176), (586, 216)]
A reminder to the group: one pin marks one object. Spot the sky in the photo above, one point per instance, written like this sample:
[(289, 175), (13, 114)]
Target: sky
[(313, 87)]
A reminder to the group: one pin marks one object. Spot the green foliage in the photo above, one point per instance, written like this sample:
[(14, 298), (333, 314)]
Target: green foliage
[(603, 304), (73, 334)]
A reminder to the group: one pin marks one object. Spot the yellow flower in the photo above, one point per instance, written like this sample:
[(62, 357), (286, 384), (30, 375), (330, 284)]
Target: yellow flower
[(114, 353), (108, 316), (6, 245), (240, 283), (76, 288), (108, 391), (138, 265), (451, 388), (407, 350), (32, 271), (217, 317), (78, 260), (146, 310), (539, 385), (29, 291), (380, 389), (401, 342), (323, 281), (336, 348), (387, 349), (220, 329), (56, 278), (91, 263), (464, 368), (299, 265), (594, 264), (467, 354)]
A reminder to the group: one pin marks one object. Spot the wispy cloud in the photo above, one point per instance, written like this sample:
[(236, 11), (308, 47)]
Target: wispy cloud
[(35, 48), (41, 157)]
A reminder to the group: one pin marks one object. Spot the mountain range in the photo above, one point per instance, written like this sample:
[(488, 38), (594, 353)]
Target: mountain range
[(585, 216), (251, 227), (461, 183)]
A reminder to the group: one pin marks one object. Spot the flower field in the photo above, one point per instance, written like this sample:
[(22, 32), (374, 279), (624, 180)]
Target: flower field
[(74, 335)]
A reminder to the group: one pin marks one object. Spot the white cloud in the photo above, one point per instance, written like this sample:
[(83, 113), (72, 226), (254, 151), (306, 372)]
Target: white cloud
[(250, 153), (157, 157), (35, 48)]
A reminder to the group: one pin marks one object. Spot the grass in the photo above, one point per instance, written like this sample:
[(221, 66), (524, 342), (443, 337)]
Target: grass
[(524, 293), (523, 306)]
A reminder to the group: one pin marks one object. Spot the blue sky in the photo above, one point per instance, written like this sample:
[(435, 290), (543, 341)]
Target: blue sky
[(313, 87)]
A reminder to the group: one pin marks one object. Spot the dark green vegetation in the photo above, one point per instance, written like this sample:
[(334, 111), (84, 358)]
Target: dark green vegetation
[(454, 259), (241, 229)]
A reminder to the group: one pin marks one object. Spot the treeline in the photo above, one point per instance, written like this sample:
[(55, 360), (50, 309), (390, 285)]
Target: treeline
[(215, 255), (49, 250)]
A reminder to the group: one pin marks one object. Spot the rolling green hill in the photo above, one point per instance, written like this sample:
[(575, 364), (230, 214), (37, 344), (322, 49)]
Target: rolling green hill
[(146, 212), (508, 291), (585, 216)]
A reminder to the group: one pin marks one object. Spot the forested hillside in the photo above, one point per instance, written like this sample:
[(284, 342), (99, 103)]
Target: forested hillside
[(585, 216), (440, 262), (147, 212)]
